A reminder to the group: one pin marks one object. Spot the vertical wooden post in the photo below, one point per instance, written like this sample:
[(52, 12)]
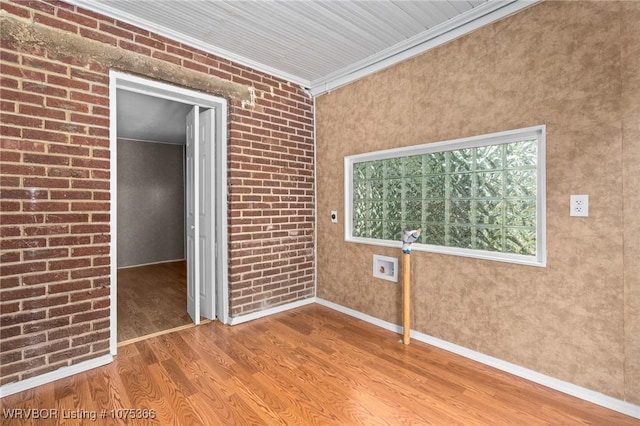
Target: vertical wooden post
[(406, 297)]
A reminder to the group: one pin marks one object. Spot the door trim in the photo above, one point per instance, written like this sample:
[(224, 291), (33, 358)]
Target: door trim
[(120, 80)]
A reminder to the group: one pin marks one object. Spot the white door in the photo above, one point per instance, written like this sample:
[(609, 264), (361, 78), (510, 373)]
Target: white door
[(206, 213), (193, 218)]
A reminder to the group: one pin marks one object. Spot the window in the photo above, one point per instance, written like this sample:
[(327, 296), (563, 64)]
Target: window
[(481, 197)]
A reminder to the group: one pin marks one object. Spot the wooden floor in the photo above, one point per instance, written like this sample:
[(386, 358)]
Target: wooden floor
[(152, 299), (309, 366)]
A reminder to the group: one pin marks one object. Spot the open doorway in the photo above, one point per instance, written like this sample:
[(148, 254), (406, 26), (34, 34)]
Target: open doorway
[(152, 278), (166, 195)]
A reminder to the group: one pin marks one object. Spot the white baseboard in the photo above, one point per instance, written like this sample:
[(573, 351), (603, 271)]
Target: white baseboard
[(542, 379), (270, 311), (11, 388)]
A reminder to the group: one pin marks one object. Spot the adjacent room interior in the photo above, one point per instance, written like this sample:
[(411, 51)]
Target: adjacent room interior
[(151, 243)]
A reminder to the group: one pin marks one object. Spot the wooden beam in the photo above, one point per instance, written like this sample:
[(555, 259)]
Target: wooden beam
[(59, 44)]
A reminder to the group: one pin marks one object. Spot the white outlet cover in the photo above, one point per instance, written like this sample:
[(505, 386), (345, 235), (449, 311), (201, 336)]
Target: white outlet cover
[(334, 216), (579, 205)]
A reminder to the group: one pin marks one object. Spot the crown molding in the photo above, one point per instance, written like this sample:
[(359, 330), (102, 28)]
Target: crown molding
[(456, 27)]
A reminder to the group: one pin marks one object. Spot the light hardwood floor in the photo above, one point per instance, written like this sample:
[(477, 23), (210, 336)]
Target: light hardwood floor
[(151, 299), (308, 366)]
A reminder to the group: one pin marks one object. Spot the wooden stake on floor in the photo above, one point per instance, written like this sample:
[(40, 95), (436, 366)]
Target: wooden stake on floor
[(406, 297)]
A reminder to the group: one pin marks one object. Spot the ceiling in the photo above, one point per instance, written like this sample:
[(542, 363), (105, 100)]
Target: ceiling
[(147, 118), (318, 44)]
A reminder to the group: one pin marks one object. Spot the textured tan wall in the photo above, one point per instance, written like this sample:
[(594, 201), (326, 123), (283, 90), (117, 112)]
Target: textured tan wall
[(563, 64)]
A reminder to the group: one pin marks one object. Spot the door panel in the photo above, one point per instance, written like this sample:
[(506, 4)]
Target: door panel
[(193, 218), (207, 213)]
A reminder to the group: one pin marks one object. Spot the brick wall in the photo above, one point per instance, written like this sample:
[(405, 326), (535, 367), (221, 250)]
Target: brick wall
[(55, 176)]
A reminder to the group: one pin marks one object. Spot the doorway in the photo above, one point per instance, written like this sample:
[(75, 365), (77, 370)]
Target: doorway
[(203, 234)]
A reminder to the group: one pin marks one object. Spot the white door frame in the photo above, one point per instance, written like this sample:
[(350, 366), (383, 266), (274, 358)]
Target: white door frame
[(120, 80)]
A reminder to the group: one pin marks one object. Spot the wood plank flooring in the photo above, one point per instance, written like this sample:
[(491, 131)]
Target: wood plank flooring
[(308, 366), (151, 299)]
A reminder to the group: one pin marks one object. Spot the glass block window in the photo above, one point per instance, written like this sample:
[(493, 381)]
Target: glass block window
[(480, 197)]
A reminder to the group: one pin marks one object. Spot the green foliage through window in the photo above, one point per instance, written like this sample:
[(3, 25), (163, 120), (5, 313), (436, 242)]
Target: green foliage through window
[(480, 198)]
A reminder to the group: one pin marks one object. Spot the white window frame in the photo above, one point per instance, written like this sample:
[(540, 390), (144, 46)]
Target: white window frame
[(535, 132)]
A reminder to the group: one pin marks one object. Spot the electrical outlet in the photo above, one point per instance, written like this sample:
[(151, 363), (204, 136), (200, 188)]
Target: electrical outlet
[(579, 205), (334, 216)]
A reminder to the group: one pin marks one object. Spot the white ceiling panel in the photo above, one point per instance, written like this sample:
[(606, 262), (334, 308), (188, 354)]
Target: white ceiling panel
[(319, 44)]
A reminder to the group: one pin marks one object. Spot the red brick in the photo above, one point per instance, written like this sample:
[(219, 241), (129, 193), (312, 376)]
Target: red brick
[(77, 18), (89, 141), (93, 294), (45, 278), (69, 309), (91, 184), (90, 316), (90, 119), (19, 318), (69, 286), (90, 272), (65, 172), (20, 120), (118, 32), (98, 36), (90, 206), (66, 104), (132, 28), (56, 23), (8, 332), (82, 74), (102, 303), (15, 10), (65, 127), (101, 196), (89, 251), (9, 206), (67, 82), (43, 135), (71, 195), (9, 282), (21, 293), (101, 261), (149, 42), (21, 194), (66, 218), (73, 330), (90, 163), (44, 206), (46, 349), (8, 244), (23, 73), (71, 353), (55, 265), (46, 159), (90, 338), (44, 254), (25, 98), (38, 326), (45, 182), (96, 110), (45, 89), (9, 231), (7, 369), (69, 241), (22, 145)]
